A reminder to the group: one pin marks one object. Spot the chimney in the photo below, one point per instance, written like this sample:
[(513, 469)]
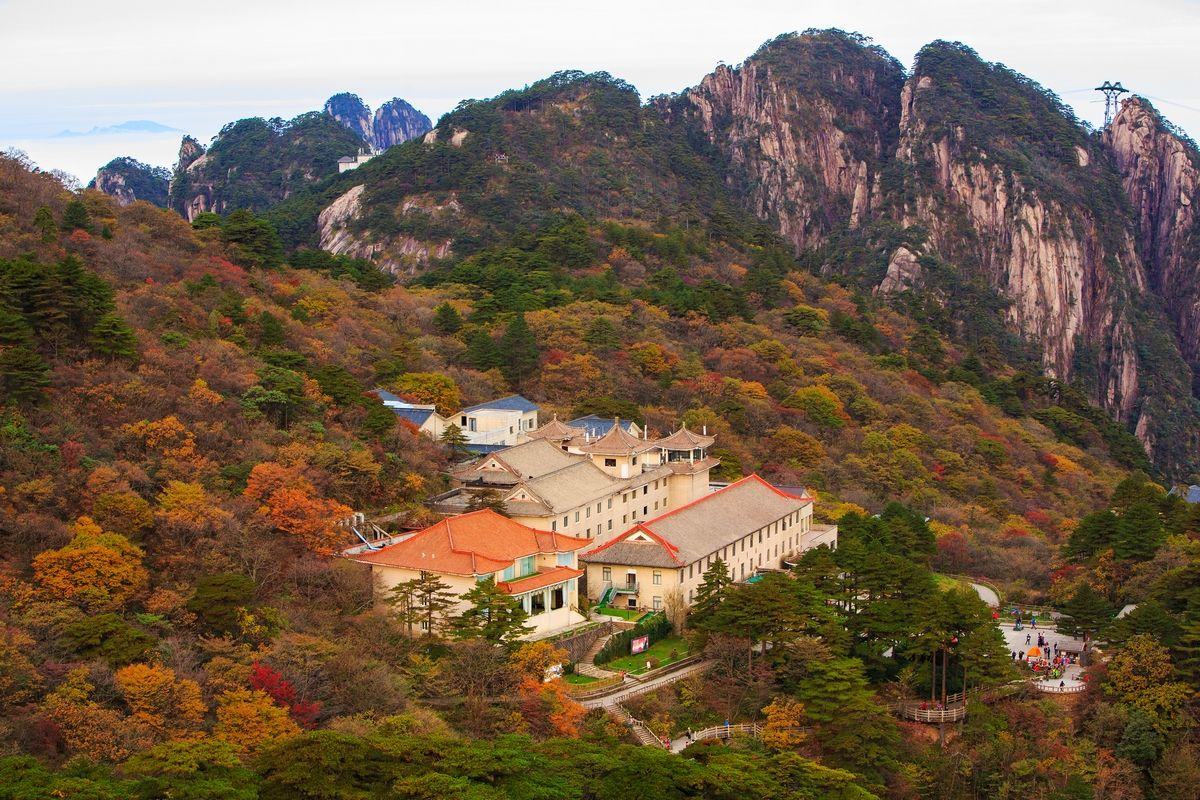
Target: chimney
[(705, 430)]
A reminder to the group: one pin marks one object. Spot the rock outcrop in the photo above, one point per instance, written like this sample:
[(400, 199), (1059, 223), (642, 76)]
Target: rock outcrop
[(804, 127), (351, 111), (392, 123), (396, 121), (1159, 173), (128, 180), (401, 253), (255, 163)]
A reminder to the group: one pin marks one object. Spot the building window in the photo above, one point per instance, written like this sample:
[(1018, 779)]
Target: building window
[(424, 624), (645, 510), (598, 508), (610, 462), (645, 490), (658, 604), (557, 598), (464, 422), (606, 574), (510, 572), (565, 520), (610, 524), (553, 525), (635, 461), (589, 512), (565, 559), (624, 519), (577, 516), (537, 603), (610, 504), (657, 578)]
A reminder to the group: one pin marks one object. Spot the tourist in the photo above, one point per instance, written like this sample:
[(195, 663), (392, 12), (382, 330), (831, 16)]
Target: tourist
[(1027, 639), (1021, 656)]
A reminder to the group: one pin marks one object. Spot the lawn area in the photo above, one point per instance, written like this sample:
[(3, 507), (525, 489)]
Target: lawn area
[(579, 679), (633, 615), (660, 650), (945, 583)]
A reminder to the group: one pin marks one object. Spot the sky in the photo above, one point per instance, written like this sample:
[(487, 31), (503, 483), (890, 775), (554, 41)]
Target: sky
[(83, 64)]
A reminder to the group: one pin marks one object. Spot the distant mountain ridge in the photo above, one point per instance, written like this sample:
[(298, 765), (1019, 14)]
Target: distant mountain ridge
[(132, 126)]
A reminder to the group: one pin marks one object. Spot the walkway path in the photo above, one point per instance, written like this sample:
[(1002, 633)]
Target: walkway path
[(623, 694), (587, 664), (987, 594)]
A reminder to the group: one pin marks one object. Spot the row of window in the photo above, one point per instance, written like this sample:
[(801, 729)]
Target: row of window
[(631, 577), (586, 513), (733, 549)]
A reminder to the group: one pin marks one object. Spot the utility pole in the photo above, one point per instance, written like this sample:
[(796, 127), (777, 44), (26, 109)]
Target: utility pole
[(1112, 93)]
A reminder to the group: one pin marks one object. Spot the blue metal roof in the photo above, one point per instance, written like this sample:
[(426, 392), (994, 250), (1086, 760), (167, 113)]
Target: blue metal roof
[(514, 402), (598, 426), (484, 449), (416, 416), (387, 397), (1193, 494)]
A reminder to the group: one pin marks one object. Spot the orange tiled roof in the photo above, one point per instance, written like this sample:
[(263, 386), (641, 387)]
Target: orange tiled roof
[(476, 543), (540, 580)]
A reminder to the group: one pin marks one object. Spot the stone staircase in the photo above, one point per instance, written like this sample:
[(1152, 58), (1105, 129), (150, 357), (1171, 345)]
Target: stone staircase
[(587, 664), (643, 734)]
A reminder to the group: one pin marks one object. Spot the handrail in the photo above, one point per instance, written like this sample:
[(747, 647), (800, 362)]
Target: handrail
[(1054, 688)]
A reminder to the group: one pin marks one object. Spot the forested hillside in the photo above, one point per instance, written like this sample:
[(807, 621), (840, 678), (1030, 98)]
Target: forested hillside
[(186, 417)]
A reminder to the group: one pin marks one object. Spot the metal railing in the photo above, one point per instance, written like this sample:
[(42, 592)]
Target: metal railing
[(726, 731), (1054, 688)]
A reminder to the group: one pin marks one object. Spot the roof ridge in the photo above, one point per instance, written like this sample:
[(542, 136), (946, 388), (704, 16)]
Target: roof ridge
[(671, 549)]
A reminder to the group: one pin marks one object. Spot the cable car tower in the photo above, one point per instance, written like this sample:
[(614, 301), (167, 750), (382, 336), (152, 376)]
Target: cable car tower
[(1112, 94)]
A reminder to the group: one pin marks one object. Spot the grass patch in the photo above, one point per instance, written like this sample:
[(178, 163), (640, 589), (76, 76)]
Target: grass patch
[(633, 615), (945, 583), (578, 679), (660, 650)]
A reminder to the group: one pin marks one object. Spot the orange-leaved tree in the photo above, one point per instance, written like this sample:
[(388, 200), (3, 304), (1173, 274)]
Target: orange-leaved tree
[(96, 570), (249, 719), (310, 518), (162, 706)]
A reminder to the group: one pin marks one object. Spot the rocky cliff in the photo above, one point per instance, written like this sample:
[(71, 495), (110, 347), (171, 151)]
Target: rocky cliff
[(1158, 169), (803, 129), (128, 180), (255, 163), (392, 123), (964, 178), (396, 121), (351, 111)]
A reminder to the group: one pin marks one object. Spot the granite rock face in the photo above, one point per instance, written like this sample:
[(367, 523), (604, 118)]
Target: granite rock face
[(128, 180)]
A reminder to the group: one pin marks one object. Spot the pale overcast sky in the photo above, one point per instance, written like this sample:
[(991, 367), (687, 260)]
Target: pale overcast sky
[(79, 64)]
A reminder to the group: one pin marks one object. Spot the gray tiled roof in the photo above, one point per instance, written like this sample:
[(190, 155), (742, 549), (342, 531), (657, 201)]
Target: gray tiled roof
[(535, 458), (705, 525)]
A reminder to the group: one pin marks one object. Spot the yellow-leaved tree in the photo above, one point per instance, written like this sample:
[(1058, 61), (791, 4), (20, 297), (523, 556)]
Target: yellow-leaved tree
[(249, 719), (162, 706), (97, 571)]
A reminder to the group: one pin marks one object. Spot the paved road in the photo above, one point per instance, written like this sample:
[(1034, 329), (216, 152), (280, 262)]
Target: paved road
[(987, 595), (642, 688)]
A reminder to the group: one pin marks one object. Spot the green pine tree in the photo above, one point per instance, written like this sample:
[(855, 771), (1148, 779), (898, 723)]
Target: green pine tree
[(1186, 653), (253, 240), (481, 350), (112, 338), (493, 615), (23, 373), (1139, 532), (43, 220), (447, 319), (270, 329), (518, 351), (711, 592), (423, 601), (1093, 534), (76, 217), (1086, 614), (602, 335), (14, 330), (454, 438)]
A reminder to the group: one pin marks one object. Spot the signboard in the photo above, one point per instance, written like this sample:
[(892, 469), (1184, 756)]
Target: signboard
[(639, 645)]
